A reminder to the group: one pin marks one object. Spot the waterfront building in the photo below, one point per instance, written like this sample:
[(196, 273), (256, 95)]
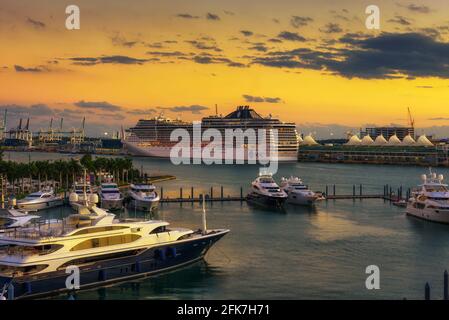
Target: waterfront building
[(388, 132)]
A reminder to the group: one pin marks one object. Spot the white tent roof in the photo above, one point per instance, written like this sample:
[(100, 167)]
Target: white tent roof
[(380, 140), (367, 141), (423, 141), (300, 140), (309, 141), (354, 141), (394, 141), (408, 140)]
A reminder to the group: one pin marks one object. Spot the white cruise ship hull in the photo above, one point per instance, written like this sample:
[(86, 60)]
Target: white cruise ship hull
[(435, 215), (301, 199), (164, 152)]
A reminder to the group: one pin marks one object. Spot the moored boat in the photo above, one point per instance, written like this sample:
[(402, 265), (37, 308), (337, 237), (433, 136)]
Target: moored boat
[(431, 200), (110, 196), (43, 199), (97, 249), (266, 192), (143, 197), (299, 193)]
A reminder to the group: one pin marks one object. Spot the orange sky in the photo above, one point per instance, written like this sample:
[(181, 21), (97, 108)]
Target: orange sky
[(38, 67)]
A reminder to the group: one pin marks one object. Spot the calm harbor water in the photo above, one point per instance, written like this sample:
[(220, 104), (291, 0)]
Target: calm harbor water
[(299, 254)]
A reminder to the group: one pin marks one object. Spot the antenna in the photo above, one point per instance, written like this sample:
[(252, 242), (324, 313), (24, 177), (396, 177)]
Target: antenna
[(216, 109), (204, 215)]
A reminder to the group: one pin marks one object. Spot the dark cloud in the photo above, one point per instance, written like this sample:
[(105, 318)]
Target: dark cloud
[(166, 53), (204, 46), (290, 36), (196, 109), (400, 20), (23, 69), (211, 16), (297, 21), (141, 112), (275, 40), (102, 105), (439, 119), (229, 13), (32, 110), (89, 61), (387, 56), (417, 8), (210, 59), (187, 16), (35, 23), (246, 33), (332, 28), (259, 47), (118, 40), (255, 99)]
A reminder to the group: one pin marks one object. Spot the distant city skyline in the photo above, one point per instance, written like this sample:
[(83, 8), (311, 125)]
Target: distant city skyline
[(309, 62)]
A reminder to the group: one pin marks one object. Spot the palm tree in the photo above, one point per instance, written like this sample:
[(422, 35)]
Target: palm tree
[(75, 169), (60, 168)]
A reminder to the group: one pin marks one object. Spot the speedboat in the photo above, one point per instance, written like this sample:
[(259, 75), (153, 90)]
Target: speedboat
[(110, 196), (97, 249), (266, 192), (44, 199), (143, 197), (299, 193), (431, 200), (12, 218)]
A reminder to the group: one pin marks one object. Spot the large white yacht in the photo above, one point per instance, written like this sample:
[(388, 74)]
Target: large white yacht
[(110, 196), (431, 200), (298, 192), (143, 197), (266, 192), (44, 199), (39, 260), (81, 193), (12, 218)]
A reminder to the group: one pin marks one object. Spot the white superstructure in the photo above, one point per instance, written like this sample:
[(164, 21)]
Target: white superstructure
[(431, 200), (298, 192)]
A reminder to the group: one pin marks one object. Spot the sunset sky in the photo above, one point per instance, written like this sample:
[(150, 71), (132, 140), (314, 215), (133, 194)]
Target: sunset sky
[(310, 62)]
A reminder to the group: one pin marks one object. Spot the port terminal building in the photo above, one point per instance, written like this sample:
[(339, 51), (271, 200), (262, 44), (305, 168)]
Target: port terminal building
[(400, 155)]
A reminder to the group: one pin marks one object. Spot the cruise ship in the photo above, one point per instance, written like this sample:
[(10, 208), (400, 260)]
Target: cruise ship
[(151, 137)]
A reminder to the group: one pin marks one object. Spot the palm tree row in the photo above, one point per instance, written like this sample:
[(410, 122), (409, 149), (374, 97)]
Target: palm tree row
[(62, 173)]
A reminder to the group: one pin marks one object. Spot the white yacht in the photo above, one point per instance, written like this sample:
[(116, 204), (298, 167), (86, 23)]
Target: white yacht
[(110, 196), (12, 218), (266, 192), (40, 200), (298, 192), (143, 197), (38, 261), (80, 194), (431, 200)]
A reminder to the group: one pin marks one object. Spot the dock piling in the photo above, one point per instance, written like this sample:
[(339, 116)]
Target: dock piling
[(446, 291), (427, 291)]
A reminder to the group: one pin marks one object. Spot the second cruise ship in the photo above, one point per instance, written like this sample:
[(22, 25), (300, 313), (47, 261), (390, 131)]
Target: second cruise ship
[(151, 137)]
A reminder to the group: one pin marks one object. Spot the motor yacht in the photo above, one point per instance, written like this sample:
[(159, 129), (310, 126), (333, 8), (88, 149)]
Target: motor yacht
[(81, 193), (299, 193), (12, 218), (266, 192), (96, 248), (431, 200), (143, 197), (110, 196), (43, 199)]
